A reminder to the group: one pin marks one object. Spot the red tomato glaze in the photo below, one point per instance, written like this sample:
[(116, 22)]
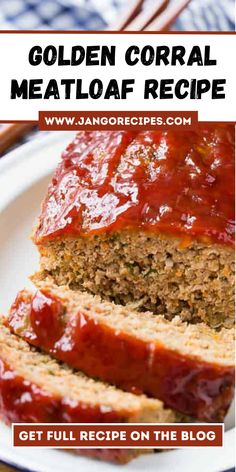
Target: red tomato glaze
[(23, 401), (121, 456), (187, 384), (171, 182)]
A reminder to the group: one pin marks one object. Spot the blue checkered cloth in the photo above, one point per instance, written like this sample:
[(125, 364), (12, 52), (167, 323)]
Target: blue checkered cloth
[(211, 15)]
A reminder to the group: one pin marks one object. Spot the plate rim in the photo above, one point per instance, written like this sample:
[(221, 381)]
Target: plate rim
[(12, 161)]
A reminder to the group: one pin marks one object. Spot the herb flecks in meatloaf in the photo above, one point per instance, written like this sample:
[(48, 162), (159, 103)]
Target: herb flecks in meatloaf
[(188, 367), (36, 388), (149, 272), (146, 218)]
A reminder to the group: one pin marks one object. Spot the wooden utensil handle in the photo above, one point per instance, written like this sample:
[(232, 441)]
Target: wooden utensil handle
[(10, 134)]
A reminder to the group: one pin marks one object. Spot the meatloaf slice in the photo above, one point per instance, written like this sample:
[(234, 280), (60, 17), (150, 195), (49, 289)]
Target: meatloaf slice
[(146, 218), (35, 388), (120, 456), (188, 367)]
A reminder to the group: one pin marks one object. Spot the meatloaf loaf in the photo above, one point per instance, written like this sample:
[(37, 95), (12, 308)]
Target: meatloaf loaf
[(189, 367), (145, 218), (36, 388)]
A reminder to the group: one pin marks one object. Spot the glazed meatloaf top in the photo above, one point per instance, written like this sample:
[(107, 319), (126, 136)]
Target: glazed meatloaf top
[(36, 388), (171, 182), (188, 367)]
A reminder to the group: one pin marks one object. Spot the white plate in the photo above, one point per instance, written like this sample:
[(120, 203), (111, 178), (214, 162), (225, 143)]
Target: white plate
[(24, 175)]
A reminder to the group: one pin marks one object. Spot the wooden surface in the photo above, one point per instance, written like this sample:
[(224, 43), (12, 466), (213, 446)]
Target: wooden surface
[(4, 468)]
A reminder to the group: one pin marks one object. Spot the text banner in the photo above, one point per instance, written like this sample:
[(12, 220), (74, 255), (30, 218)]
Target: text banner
[(121, 71), (118, 435)]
